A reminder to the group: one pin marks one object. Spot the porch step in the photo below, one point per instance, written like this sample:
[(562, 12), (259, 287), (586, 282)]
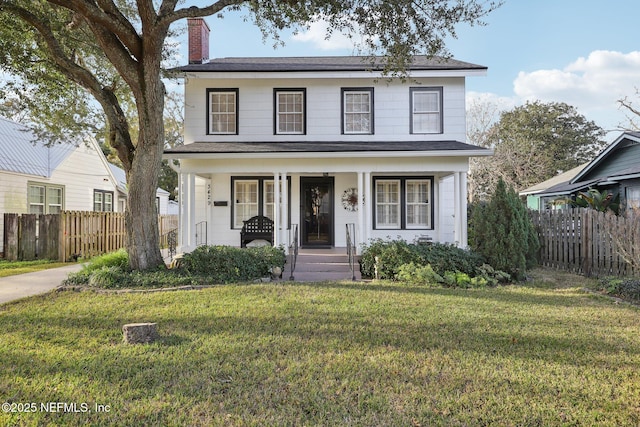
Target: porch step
[(321, 265)]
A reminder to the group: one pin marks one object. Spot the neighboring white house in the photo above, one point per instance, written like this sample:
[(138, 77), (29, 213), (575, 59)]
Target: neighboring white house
[(36, 178), (322, 142)]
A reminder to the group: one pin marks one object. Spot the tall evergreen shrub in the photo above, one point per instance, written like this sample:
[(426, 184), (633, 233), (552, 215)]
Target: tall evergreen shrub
[(504, 233)]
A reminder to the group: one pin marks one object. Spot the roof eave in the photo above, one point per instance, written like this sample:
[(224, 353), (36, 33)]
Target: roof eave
[(330, 154)]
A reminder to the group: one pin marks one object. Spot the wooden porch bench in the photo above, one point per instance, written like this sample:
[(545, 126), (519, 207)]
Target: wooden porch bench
[(256, 228)]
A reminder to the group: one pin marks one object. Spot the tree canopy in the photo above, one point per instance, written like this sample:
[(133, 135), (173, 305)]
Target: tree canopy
[(533, 143), (68, 54)]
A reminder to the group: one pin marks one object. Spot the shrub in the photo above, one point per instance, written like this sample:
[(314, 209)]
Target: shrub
[(224, 264), (392, 254), (504, 234), (419, 274), (628, 289)]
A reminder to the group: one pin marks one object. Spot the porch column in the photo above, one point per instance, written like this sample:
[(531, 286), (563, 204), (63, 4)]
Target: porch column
[(285, 212), (187, 217), (361, 225), (276, 209), (365, 205), (457, 209), (463, 210)]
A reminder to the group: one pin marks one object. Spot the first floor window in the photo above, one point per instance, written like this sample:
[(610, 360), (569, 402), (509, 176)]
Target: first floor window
[(245, 201), (102, 201), (251, 197), (403, 203), (45, 198)]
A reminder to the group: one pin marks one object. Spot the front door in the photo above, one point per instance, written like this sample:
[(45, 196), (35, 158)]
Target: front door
[(316, 211)]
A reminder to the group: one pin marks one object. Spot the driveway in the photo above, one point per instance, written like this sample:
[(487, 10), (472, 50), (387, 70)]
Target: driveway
[(39, 282)]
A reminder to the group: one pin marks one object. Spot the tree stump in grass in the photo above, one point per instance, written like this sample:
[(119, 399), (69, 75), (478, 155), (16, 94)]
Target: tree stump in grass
[(140, 333)]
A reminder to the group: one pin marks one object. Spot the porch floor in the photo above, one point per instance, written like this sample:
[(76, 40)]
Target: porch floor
[(317, 265)]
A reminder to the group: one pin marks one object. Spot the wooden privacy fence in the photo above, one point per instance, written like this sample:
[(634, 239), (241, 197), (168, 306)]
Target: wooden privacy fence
[(68, 235), (588, 242)]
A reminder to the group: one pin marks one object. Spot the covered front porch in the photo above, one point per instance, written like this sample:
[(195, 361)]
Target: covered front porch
[(318, 201)]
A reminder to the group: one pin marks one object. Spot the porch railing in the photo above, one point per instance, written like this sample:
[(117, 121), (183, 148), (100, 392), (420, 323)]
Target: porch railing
[(293, 249), (351, 248), (201, 233)]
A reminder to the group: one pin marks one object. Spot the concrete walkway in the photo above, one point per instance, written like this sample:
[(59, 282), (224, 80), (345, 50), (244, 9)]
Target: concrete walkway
[(39, 282)]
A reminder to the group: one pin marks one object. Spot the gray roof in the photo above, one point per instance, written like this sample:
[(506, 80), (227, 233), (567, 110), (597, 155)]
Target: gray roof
[(22, 152), (323, 63), (319, 147)]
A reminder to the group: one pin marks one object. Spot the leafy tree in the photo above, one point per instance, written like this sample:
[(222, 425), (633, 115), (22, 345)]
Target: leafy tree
[(503, 232), (77, 52), (533, 143)]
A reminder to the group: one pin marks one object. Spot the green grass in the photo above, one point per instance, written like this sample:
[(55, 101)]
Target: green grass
[(327, 354), (11, 268)]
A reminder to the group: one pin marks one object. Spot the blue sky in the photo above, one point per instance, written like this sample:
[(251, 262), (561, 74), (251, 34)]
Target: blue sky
[(585, 53)]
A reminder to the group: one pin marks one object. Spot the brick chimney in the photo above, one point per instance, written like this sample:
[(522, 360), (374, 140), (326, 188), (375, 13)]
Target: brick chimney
[(198, 40)]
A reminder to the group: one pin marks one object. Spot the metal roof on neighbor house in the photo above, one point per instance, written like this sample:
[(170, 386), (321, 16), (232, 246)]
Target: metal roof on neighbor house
[(323, 63), (22, 152)]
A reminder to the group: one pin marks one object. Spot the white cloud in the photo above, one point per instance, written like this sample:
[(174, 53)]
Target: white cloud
[(593, 84), (317, 35)]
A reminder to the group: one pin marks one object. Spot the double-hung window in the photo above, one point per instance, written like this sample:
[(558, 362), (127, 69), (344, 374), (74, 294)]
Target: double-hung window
[(426, 110), (45, 198), (251, 197), (289, 109), (403, 203), (223, 111), (102, 201), (633, 197), (357, 111)]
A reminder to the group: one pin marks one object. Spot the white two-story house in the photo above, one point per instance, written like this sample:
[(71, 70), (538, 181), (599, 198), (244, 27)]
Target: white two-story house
[(316, 143)]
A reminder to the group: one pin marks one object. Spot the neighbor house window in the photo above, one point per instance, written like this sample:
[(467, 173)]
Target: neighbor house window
[(223, 111), (289, 111), (253, 196), (633, 197), (357, 111), (102, 201), (426, 110), (45, 198), (403, 203)]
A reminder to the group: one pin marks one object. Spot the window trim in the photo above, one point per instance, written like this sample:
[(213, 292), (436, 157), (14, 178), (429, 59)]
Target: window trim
[(276, 112), (343, 111), (403, 201), (103, 192), (46, 206), (261, 196), (437, 89), (211, 91), (628, 190)]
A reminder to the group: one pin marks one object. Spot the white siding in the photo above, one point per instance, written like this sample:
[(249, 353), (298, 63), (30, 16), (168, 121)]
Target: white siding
[(81, 173), (323, 114)]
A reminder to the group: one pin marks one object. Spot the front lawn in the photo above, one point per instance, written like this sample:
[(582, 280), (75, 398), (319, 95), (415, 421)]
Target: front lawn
[(325, 354)]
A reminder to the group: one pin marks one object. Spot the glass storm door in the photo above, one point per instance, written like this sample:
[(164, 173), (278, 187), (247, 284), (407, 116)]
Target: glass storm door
[(316, 211)]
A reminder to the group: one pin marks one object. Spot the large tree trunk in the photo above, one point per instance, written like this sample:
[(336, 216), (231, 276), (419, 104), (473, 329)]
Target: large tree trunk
[(142, 215)]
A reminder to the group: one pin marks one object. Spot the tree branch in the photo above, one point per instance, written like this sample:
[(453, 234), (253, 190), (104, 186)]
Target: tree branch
[(106, 14), (168, 16)]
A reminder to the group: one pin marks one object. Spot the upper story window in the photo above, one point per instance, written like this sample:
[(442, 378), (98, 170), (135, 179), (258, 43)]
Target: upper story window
[(290, 111), (357, 111), (222, 107), (426, 110), (102, 201), (45, 199)]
